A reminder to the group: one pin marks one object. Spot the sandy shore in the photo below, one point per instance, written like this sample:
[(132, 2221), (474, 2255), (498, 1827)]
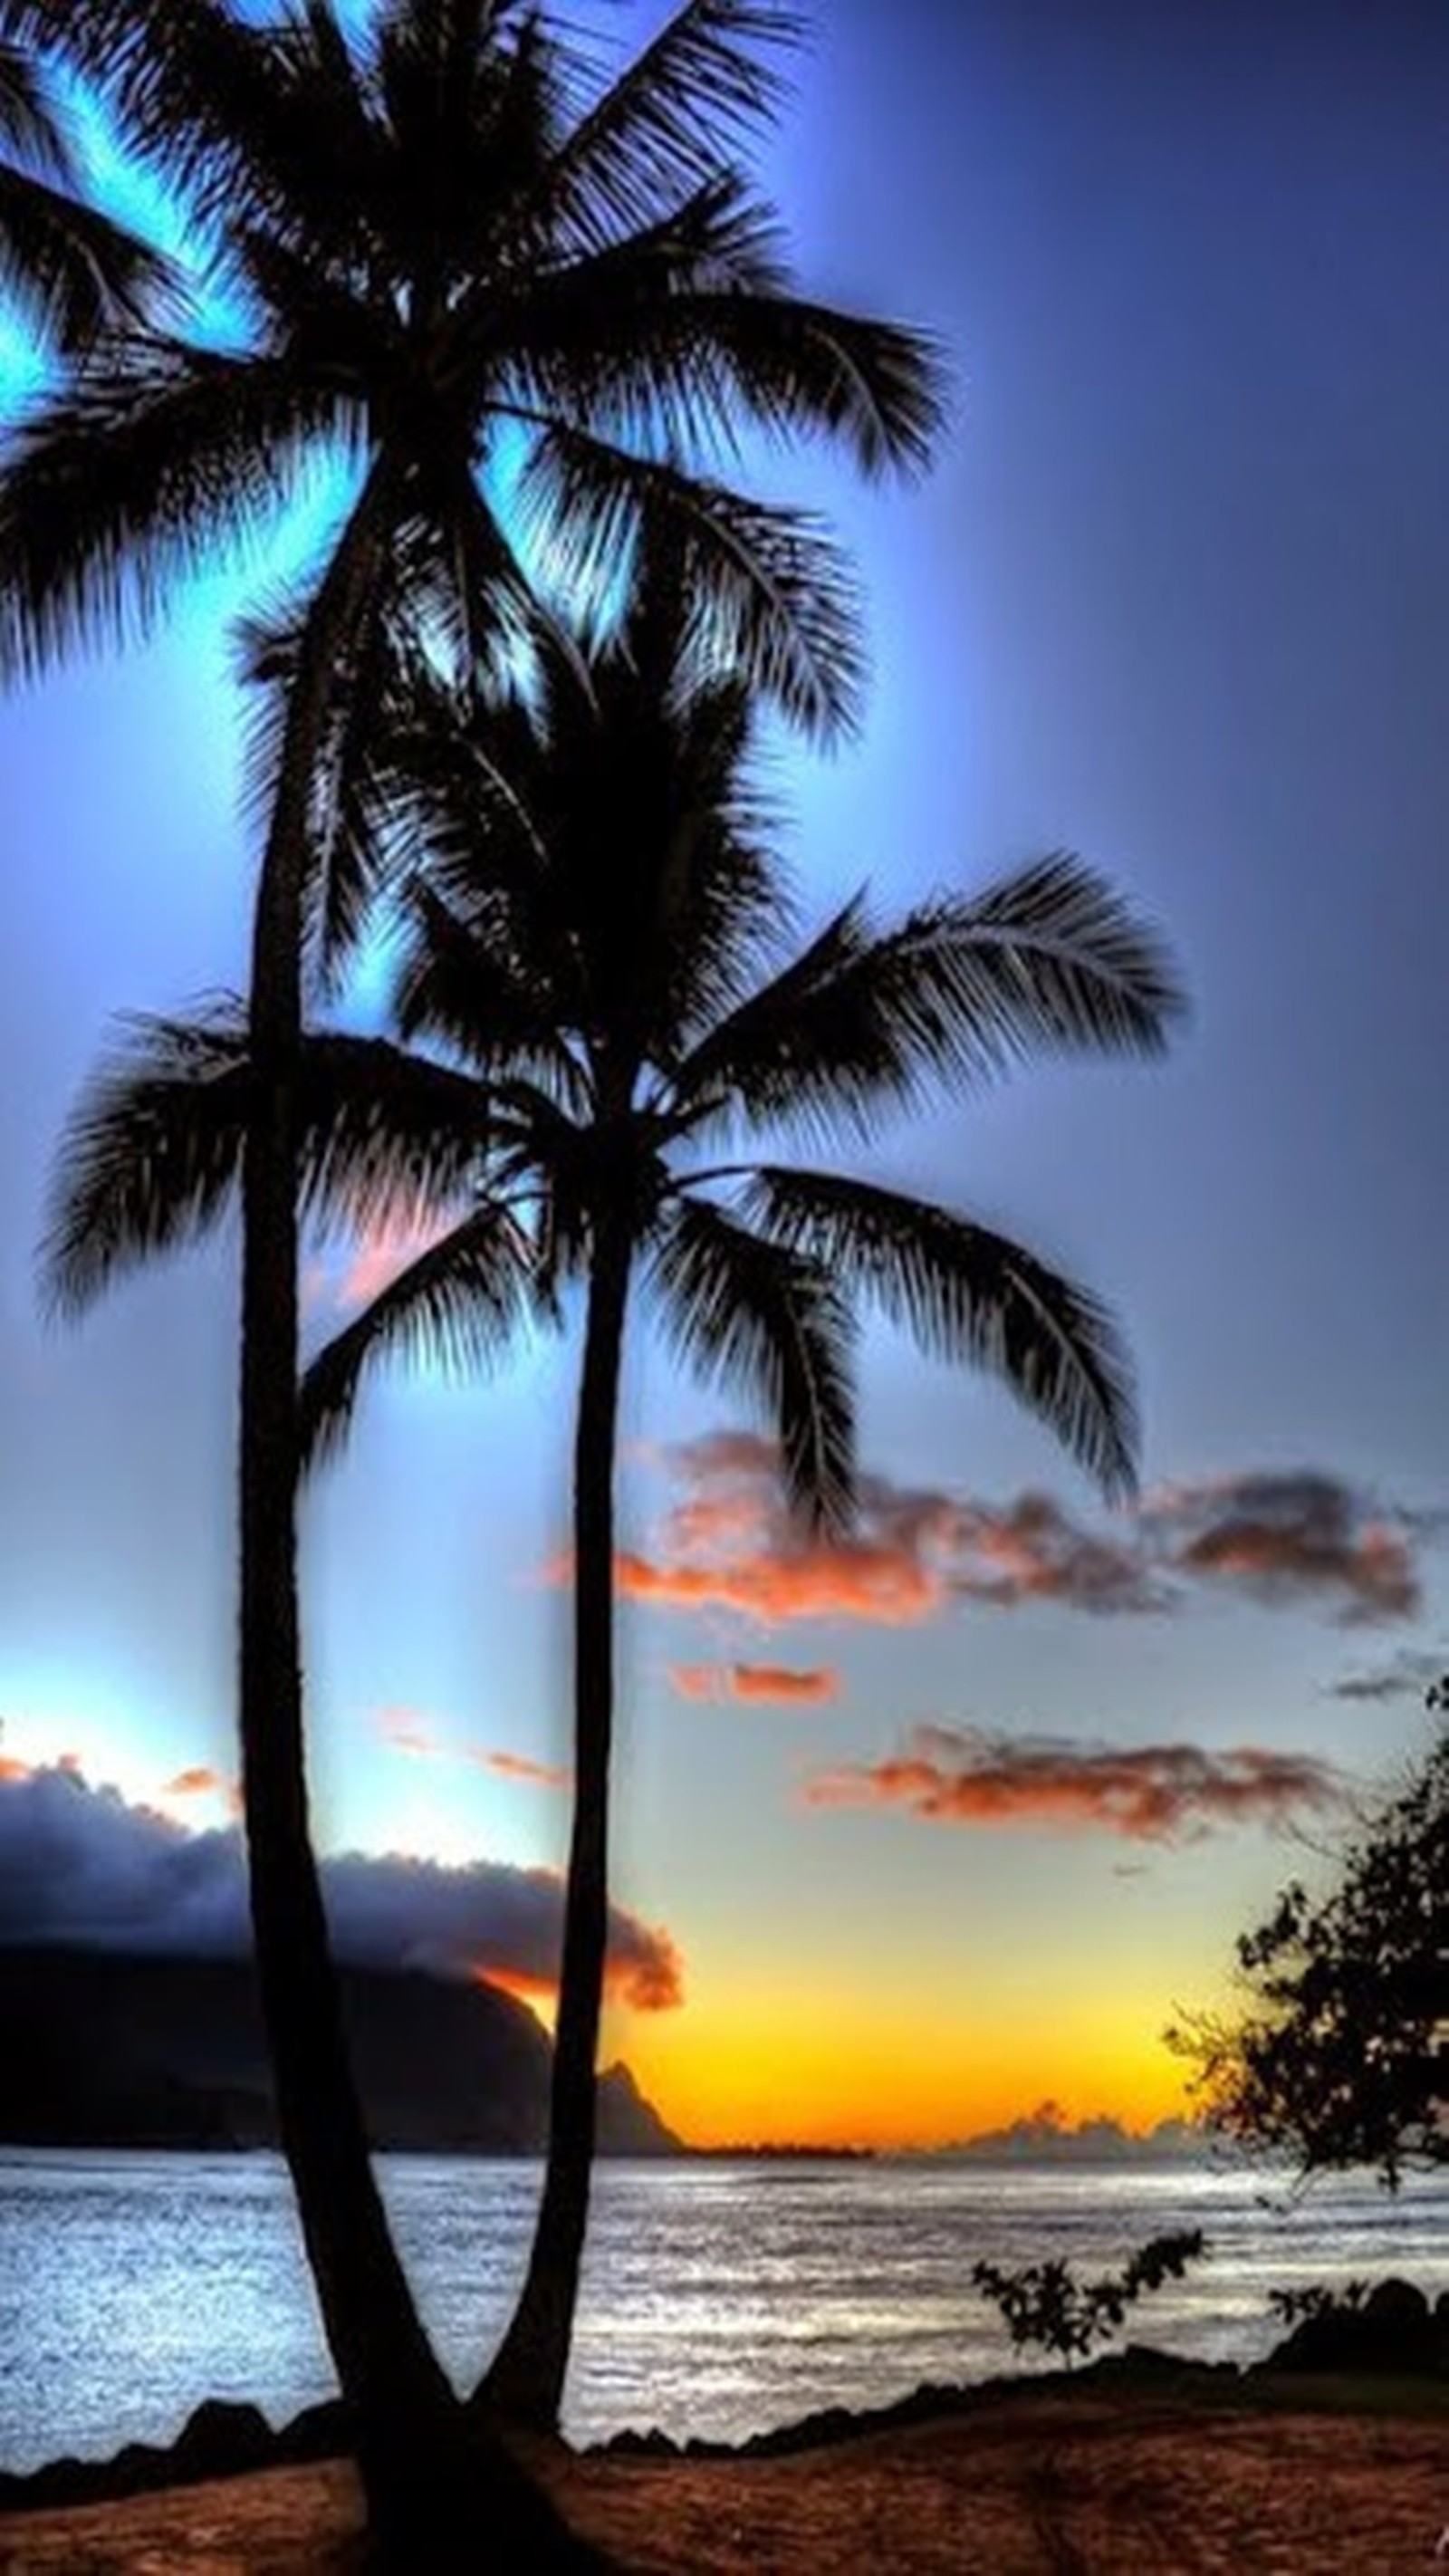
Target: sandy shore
[(1116, 2486)]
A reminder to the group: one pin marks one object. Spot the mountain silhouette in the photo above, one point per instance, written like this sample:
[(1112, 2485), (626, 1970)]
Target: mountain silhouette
[(98, 2049)]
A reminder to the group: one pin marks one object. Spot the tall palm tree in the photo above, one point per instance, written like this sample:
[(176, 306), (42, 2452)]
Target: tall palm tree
[(506, 294), (597, 948)]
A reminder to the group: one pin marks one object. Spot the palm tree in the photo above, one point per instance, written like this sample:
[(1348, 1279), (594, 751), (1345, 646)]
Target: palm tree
[(597, 947), (507, 295)]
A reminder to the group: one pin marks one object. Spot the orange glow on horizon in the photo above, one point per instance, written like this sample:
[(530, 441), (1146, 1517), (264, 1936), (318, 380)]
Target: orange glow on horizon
[(795, 2072)]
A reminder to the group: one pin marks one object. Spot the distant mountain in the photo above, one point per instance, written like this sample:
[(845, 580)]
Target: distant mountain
[(99, 2050), (1043, 2138)]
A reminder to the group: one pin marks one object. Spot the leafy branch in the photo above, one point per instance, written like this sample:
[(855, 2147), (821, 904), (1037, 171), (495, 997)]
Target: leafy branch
[(1044, 2303)]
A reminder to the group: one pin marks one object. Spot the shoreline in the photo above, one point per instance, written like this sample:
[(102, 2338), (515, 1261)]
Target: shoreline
[(223, 2441), (1134, 2464)]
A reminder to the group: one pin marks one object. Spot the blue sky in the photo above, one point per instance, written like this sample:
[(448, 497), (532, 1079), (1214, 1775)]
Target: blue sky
[(1176, 596)]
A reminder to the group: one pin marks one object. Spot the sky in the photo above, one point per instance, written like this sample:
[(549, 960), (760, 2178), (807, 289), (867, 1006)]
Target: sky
[(916, 1832)]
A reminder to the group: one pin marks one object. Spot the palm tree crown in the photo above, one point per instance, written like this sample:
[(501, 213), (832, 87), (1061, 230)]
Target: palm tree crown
[(535, 299), (600, 953), (598, 966)]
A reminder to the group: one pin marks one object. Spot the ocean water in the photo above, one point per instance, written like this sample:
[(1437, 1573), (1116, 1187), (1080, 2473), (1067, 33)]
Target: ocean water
[(717, 2298)]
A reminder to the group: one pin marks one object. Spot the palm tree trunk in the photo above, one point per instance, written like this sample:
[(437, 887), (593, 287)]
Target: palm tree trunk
[(434, 2485), (526, 2379)]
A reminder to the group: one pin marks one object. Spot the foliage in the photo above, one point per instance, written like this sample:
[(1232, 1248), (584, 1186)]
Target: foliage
[(1317, 2299), (1341, 2054), (600, 946), (1045, 2303)]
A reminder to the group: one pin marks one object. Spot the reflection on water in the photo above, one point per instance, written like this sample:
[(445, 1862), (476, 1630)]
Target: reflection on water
[(717, 2298)]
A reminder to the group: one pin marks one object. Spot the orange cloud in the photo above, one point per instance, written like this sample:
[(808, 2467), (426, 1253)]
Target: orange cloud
[(647, 1971), (729, 1542), (1148, 1793), (377, 1261), (845, 1581), (648, 1976), (521, 1766), (753, 1682), (14, 1767), (406, 1733), (198, 1781)]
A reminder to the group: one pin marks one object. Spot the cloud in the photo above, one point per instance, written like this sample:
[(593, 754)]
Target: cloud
[(1298, 1537), (846, 1581), (200, 1781), (81, 1866), (377, 1261), (337, 1284), (1306, 1539), (521, 1766), (731, 1543), (784, 1682), (1146, 1793), (405, 1733), (1406, 1675)]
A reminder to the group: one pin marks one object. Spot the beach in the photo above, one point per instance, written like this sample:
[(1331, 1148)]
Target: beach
[(1086, 2479)]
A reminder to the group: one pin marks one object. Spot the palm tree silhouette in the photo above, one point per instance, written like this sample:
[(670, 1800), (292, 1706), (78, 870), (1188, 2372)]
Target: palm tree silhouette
[(597, 945), (503, 293)]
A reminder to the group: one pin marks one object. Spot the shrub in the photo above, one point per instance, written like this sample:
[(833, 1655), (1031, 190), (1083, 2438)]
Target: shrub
[(1046, 2304)]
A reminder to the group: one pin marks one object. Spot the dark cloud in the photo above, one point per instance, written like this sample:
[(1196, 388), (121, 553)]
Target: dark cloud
[(1406, 1675), (79, 1865), (1300, 1537), (1147, 1793)]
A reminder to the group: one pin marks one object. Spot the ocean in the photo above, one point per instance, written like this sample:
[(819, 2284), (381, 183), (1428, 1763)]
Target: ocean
[(718, 2299)]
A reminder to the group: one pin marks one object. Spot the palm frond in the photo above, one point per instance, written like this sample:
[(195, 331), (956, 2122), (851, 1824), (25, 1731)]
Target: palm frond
[(233, 115), (966, 1293), (69, 269), (768, 1319), (458, 1305), (702, 87), (1050, 960), (34, 128), (776, 604), (491, 1006), (154, 458), (389, 1138), (768, 1060), (150, 1155), (798, 368), (1053, 957)]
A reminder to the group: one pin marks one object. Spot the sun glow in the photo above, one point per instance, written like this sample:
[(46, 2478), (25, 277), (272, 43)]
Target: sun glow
[(799, 2070)]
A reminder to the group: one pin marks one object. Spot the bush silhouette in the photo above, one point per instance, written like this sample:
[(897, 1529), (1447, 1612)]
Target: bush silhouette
[(1044, 2303)]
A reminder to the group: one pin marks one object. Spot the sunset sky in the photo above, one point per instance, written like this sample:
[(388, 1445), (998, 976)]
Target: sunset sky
[(913, 1832)]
